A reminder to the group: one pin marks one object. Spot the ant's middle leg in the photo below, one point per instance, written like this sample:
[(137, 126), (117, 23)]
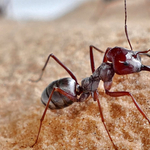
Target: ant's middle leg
[(60, 63), (92, 57), (102, 117)]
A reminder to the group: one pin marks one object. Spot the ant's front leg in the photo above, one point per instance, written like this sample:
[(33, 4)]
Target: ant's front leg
[(124, 93), (105, 55)]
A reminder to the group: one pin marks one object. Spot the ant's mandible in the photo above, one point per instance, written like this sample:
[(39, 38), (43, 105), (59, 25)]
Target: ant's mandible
[(63, 92)]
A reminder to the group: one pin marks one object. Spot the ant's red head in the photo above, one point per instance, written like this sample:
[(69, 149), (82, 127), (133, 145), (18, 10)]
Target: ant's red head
[(124, 61)]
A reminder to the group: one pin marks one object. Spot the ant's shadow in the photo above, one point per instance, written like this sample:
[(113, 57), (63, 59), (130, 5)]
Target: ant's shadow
[(75, 110)]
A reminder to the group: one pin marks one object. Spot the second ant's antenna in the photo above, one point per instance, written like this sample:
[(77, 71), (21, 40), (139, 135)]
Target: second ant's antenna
[(126, 25)]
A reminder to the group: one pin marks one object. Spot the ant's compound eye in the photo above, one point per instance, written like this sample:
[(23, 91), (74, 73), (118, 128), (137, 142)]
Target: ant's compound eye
[(125, 63)]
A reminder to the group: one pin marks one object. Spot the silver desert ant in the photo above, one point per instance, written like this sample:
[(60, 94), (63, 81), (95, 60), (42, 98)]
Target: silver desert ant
[(63, 92)]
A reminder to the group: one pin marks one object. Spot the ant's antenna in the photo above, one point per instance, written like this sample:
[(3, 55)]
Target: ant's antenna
[(126, 32)]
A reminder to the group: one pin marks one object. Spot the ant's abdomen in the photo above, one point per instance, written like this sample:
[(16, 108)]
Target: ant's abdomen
[(58, 100)]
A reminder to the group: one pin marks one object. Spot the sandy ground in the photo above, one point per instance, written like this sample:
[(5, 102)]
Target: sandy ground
[(24, 47)]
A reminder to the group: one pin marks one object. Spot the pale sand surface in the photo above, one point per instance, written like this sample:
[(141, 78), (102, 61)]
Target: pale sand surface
[(24, 47)]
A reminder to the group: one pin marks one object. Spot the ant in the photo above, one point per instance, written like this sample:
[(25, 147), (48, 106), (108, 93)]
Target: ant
[(63, 92)]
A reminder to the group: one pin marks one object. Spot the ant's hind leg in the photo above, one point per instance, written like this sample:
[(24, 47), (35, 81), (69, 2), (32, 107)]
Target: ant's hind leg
[(60, 63), (72, 98)]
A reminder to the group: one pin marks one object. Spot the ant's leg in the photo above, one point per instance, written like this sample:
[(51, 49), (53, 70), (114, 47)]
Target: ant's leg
[(92, 57), (105, 57), (60, 63), (124, 93), (74, 99), (102, 117)]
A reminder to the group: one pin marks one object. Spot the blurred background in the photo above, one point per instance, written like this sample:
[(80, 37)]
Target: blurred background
[(39, 9)]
